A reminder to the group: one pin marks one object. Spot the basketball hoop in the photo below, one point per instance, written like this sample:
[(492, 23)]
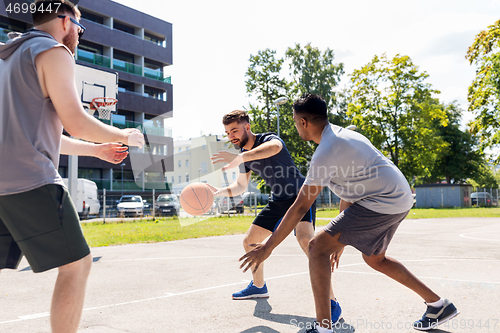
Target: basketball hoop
[(103, 105)]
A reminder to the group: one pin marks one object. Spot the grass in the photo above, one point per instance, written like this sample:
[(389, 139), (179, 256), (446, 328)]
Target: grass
[(162, 230), (435, 213), (168, 229)]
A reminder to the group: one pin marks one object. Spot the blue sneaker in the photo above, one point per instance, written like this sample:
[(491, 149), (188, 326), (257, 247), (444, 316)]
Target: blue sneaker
[(336, 311), (252, 291), (436, 316)]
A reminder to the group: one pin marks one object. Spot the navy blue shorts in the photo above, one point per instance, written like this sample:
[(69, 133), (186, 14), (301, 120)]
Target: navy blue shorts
[(270, 216)]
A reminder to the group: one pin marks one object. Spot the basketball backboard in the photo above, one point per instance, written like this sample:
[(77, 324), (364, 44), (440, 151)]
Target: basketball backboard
[(92, 83)]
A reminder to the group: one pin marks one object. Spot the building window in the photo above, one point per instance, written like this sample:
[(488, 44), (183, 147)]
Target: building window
[(91, 17), (187, 163), (122, 27), (91, 47), (90, 173), (154, 39), (179, 163), (173, 179), (187, 148), (63, 171), (234, 175), (124, 86), (180, 149), (187, 178), (203, 167), (123, 56), (180, 179), (155, 93)]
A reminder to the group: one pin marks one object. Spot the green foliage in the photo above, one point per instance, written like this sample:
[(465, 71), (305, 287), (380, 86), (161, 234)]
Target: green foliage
[(461, 159), (314, 72), (311, 71), (162, 230), (484, 177), (392, 106), (484, 92), (264, 82)]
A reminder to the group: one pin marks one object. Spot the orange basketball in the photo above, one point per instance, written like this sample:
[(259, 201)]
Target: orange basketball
[(196, 199)]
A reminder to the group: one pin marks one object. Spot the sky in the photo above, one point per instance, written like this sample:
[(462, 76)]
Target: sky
[(213, 41)]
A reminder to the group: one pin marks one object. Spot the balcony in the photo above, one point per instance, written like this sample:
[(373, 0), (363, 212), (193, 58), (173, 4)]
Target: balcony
[(135, 102), (156, 74), (148, 128), (119, 65), (161, 43), (93, 58), (3, 35), (127, 67)]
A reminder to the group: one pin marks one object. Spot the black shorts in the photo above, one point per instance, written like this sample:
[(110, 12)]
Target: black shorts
[(43, 225), (270, 216)]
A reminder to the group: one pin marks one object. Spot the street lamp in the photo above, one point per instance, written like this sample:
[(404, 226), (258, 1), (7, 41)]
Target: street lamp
[(122, 165), (278, 102)]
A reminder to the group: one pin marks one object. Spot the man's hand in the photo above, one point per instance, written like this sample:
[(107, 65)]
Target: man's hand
[(255, 257), (133, 137), (111, 152), (215, 190), (232, 160), (335, 258)]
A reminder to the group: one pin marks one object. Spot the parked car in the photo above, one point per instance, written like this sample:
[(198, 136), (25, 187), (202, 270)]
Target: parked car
[(131, 205), (232, 204), (167, 204), (482, 199), (86, 201)]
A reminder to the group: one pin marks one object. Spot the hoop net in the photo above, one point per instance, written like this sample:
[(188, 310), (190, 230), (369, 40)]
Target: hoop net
[(104, 106)]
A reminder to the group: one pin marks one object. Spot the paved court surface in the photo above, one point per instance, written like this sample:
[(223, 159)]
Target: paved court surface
[(186, 286)]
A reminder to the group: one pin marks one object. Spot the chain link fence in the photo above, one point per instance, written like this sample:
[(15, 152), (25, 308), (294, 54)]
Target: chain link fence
[(484, 197), (130, 204)]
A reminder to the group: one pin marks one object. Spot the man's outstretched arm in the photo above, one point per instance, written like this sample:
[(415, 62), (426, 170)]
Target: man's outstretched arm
[(293, 216), (265, 150), (110, 152)]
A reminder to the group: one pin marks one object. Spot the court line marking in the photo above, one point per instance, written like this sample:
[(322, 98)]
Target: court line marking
[(168, 295), (478, 238), (206, 257), (293, 255)]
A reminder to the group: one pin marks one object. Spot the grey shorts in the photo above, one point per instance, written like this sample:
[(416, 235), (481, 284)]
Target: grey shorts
[(43, 225), (368, 231)]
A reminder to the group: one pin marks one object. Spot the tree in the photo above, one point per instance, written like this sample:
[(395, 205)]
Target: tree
[(264, 81), (312, 71), (461, 159), (484, 92), (484, 178), (393, 107)]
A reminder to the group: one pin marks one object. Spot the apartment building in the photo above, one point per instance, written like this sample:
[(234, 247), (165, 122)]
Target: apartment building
[(138, 47)]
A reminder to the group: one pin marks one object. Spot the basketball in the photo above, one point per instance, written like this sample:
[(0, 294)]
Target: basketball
[(196, 199)]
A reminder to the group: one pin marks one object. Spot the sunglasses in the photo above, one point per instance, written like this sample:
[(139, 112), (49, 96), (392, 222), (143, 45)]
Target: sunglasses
[(81, 29)]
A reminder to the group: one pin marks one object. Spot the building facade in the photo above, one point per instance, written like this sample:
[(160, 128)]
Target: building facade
[(138, 47), (192, 163)]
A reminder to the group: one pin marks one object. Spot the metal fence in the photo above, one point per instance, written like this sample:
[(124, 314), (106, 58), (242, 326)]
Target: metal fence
[(484, 197), (106, 205)]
